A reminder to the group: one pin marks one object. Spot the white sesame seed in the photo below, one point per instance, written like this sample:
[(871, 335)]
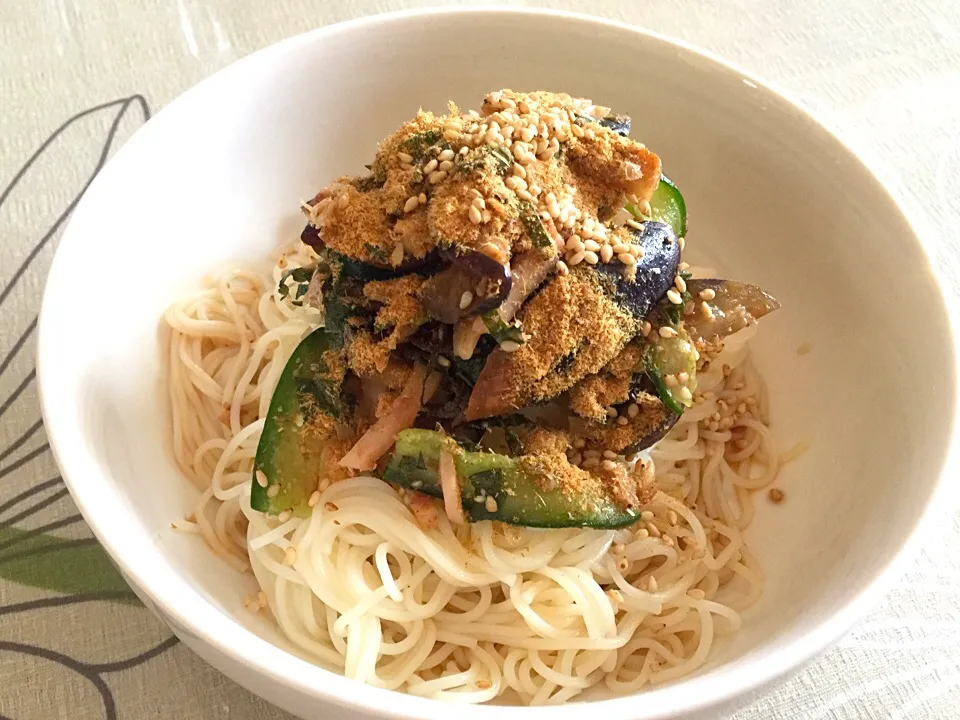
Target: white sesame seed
[(464, 150), (509, 346), (534, 189), (519, 170), (627, 259), (591, 257), (706, 310), (430, 167), (621, 248), (708, 294), (667, 332), (622, 420), (682, 241), (486, 216), (633, 410), (446, 165), (273, 491), (411, 204), (466, 299), (573, 243), (437, 176), (609, 455), (261, 478), (686, 395), (606, 253), (422, 197), (479, 202), (608, 465), (490, 504), (405, 157), (447, 154), (680, 283), (475, 215), (575, 259), (592, 245), (525, 195), (674, 297)]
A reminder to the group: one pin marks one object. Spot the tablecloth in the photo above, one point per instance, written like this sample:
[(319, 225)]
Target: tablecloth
[(77, 78)]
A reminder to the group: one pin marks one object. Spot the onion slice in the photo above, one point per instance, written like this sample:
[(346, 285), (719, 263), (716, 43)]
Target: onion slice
[(450, 485), (378, 439)]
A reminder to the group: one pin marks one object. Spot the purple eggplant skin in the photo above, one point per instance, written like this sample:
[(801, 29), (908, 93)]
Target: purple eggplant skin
[(656, 270), (311, 236), (620, 124), (442, 294), (666, 424), (734, 306)]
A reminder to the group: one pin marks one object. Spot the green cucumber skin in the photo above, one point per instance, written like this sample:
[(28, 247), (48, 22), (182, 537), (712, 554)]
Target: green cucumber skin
[(288, 456), (521, 500), (668, 206)]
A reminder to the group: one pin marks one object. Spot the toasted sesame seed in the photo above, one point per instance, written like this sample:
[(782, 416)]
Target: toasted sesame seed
[(509, 346), (397, 256), (480, 202), (708, 294), (446, 165), (437, 176), (576, 458), (633, 410), (273, 491), (612, 412), (519, 170), (525, 195), (608, 465), (622, 421), (696, 593), (621, 248), (430, 167), (653, 530), (486, 216), (535, 189), (645, 328), (706, 310), (466, 299), (674, 297), (642, 533), (447, 154), (576, 259), (606, 253), (609, 454), (261, 478), (475, 215), (574, 244), (412, 203), (422, 197), (592, 245), (343, 200), (685, 394), (314, 498), (627, 259), (683, 377), (290, 556), (405, 157), (667, 332), (562, 268), (490, 504), (579, 443), (680, 283), (634, 224), (776, 495), (484, 684), (284, 516), (591, 257), (682, 241), (330, 507), (672, 517)]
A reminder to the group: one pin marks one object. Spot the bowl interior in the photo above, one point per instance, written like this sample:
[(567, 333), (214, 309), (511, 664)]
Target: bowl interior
[(773, 199)]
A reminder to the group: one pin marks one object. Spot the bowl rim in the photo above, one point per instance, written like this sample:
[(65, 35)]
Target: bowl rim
[(190, 612)]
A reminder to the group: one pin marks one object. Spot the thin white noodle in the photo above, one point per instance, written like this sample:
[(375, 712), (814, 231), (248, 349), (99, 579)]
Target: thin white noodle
[(466, 614)]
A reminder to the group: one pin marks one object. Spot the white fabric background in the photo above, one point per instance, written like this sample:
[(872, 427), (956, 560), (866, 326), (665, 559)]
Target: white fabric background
[(883, 75)]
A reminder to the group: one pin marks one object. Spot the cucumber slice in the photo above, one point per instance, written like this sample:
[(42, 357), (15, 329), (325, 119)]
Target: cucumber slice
[(304, 410), (522, 494), (667, 206)]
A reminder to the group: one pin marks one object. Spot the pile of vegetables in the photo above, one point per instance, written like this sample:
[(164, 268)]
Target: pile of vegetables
[(456, 430)]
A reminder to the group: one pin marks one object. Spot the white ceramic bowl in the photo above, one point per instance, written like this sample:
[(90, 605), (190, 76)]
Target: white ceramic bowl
[(773, 197)]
